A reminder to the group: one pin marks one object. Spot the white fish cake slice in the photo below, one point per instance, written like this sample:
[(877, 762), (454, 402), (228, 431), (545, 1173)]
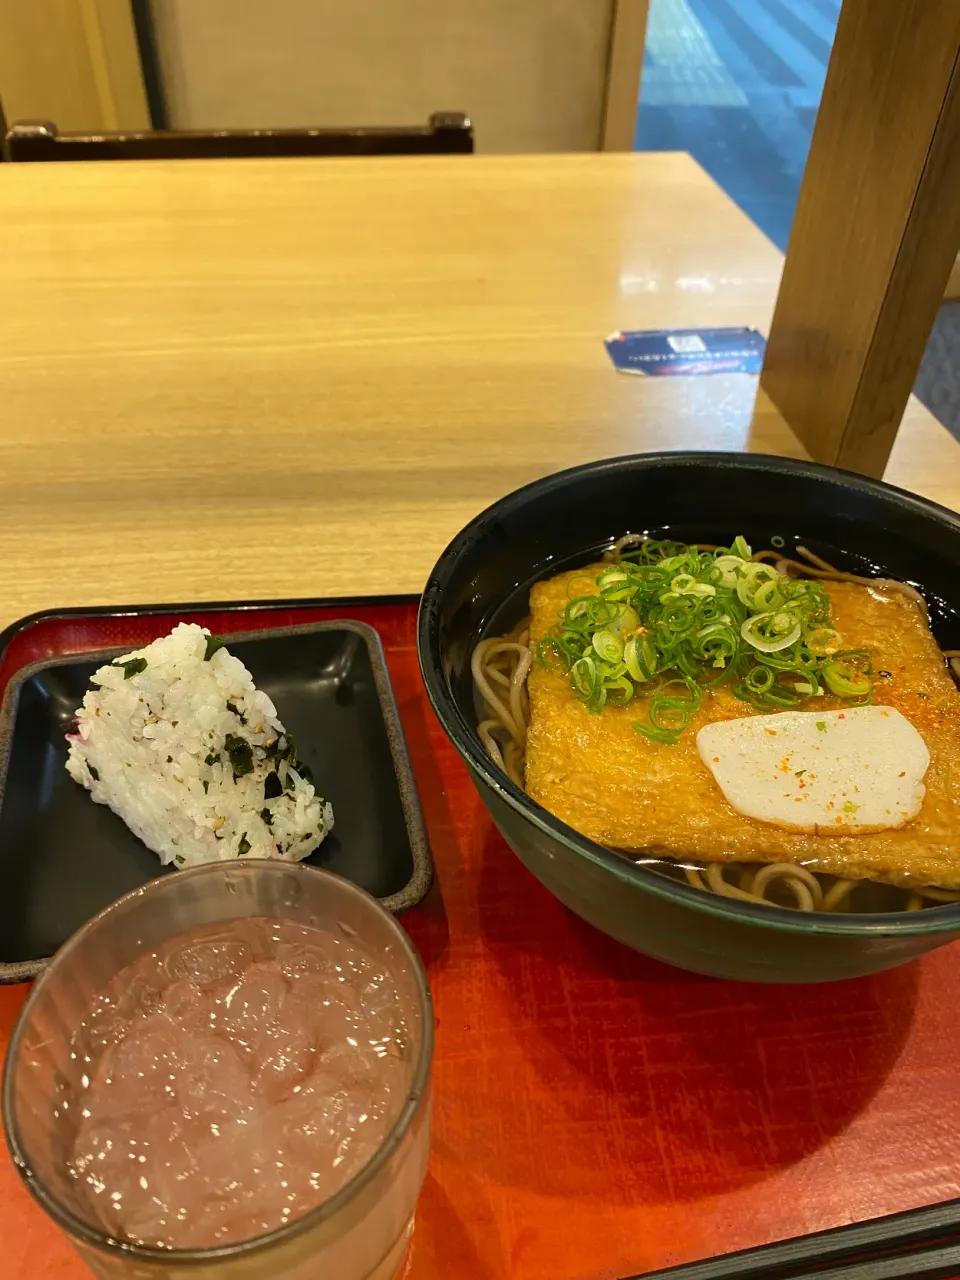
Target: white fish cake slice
[(839, 771)]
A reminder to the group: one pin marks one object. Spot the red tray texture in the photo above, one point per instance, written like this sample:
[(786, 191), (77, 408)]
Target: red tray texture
[(599, 1114)]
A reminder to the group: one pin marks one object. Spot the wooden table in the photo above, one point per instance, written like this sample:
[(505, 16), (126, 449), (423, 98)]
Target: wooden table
[(283, 378), (245, 380)]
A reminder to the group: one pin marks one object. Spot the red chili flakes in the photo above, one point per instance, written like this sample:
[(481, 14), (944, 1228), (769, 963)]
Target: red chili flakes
[(902, 773), (716, 759), (772, 732), (842, 715)]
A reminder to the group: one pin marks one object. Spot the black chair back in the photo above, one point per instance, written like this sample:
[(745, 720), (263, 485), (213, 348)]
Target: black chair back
[(447, 133)]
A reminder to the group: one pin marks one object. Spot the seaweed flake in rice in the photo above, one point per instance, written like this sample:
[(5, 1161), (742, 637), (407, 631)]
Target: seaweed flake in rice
[(178, 741)]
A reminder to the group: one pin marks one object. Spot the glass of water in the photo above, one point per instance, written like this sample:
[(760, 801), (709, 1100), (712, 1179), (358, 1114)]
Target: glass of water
[(217, 1006)]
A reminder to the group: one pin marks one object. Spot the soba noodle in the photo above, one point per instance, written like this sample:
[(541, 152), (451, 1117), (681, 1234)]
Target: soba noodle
[(501, 664), (504, 662)]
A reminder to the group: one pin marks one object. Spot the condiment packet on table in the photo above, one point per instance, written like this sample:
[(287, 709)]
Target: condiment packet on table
[(657, 353)]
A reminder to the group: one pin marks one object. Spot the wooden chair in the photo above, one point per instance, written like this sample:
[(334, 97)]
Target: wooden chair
[(448, 133)]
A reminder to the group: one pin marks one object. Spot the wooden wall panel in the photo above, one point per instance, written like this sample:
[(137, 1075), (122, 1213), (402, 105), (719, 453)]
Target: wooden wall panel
[(74, 62), (628, 34), (531, 73), (876, 231)]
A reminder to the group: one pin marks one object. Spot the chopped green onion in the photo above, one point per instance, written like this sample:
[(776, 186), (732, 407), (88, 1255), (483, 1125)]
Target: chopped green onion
[(608, 647), (669, 622), (846, 679), (810, 686), (615, 584), (717, 644), (619, 690), (767, 596), (771, 632), (741, 548), (751, 578), (685, 584), (760, 680), (632, 661), (626, 621), (726, 570), (670, 714), (582, 677), (824, 640)]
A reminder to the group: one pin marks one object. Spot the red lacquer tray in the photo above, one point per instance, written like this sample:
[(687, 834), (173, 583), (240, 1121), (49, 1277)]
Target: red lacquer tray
[(598, 1114)]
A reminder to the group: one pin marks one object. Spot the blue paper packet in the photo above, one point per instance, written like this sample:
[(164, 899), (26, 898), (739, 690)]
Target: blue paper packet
[(658, 353)]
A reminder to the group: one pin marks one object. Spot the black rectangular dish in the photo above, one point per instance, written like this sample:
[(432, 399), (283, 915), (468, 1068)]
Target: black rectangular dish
[(64, 858)]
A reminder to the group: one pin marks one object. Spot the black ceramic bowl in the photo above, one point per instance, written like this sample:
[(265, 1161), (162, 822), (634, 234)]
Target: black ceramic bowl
[(480, 587)]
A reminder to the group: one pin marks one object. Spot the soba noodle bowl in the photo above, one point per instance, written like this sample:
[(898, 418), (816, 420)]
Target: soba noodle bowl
[(501, 664)]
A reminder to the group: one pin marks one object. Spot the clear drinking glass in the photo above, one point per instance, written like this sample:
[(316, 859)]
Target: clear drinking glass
[(363, 1232)]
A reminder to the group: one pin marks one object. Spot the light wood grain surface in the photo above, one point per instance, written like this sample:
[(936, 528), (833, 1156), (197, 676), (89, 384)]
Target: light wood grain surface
[(236, 379)]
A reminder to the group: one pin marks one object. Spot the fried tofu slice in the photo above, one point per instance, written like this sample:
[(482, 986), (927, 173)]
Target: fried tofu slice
[(596, 773)]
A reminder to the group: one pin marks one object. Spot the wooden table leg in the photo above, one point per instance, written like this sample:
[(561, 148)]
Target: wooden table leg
[(876, 232)]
